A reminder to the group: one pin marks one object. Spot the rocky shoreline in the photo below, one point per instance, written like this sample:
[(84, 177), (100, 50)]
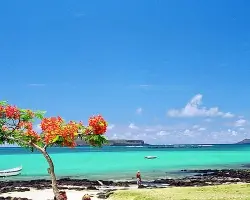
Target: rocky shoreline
[(199, 178)]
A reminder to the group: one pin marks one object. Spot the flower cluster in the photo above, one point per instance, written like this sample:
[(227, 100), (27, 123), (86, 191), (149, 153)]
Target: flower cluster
[(25, 125), (11, 112), (27, 128), (98, 125), (56, 127), (18, 123), (15, 122), (33, 134), (51, 124)]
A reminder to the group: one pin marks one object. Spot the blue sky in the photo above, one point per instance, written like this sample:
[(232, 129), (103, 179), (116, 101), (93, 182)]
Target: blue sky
[(160, 70)]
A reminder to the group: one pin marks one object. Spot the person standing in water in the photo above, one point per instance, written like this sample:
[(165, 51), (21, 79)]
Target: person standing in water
[(138, 178)]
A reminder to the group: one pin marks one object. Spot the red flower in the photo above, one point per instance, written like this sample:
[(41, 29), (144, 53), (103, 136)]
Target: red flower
[(26, 125), (54, 129), (33, 134), (55, 126), (12, 112), (52, 123), (98, 124), (1, 109)]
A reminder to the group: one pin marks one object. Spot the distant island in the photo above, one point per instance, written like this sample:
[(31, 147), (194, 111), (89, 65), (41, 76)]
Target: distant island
[(245, 141), (124, 142), (117, 143)]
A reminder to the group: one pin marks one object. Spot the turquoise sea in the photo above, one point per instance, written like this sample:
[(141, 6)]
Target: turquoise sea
[(123, 162)]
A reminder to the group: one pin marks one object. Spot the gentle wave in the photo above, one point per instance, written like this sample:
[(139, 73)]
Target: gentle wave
[(206, 145), (134, 146)]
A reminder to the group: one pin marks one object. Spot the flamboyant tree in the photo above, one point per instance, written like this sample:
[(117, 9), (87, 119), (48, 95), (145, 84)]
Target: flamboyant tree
[(16, 127)]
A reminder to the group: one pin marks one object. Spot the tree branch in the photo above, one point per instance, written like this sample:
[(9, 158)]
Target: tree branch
[(15, 125), (19, 140), (37, 147), (45, 147)]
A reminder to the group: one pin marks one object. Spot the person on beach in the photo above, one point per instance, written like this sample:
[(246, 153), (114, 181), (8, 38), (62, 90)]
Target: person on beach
[(138, 178), (86, 197), (62, 195)]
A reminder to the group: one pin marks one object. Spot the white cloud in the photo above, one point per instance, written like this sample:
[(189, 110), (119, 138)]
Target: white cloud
[(150, 129), (111, 126), (162, 133), (188, 133), (138, 111), (208, 120), (240, 122), (37, 84), (144, 86), (196, 126), (133, 126), (228, 115), (114, 137), (161, 87), (193, 109), (181, 133), (232, 132)]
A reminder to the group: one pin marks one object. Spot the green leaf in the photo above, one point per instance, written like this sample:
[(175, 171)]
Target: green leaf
[(3, 103), (40, 143), (56, 139), (41, 113)]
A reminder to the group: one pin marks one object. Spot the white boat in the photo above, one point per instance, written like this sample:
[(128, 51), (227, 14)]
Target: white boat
[(11, 172), (150, 157)]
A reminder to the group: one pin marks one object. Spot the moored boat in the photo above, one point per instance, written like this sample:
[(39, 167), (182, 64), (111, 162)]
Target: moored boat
[(150, 157), (11, 172)]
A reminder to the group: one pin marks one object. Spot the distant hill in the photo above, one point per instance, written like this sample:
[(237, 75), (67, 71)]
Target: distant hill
[(245, 141), (116, 143)]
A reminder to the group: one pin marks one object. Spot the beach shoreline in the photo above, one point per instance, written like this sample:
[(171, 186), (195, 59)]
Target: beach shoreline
[(101, 189)]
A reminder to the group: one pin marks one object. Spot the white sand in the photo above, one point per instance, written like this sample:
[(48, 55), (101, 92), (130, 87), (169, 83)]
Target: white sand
[(48, 194)]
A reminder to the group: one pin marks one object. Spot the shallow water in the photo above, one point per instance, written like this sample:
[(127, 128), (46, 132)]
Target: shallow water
[(123, 162)]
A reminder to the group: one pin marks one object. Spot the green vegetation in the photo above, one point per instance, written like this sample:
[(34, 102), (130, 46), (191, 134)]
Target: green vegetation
[(221, 192)]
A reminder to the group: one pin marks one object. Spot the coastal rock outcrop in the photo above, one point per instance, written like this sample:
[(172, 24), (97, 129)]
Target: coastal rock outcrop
[(198, 178)]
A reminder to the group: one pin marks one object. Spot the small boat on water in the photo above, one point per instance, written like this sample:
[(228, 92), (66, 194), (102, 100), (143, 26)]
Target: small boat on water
[(11, 172), (150, 157)]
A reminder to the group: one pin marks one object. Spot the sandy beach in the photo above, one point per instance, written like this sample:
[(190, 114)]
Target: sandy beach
[(238, 191), (75, 189), (47, 194)]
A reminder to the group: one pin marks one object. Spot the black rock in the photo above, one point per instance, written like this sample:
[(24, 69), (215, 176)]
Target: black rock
[(122, 184), (91, 187), (198, 178), (141, 186), (104, 195)]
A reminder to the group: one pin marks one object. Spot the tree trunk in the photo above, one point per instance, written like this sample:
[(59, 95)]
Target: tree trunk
[(51, 172)]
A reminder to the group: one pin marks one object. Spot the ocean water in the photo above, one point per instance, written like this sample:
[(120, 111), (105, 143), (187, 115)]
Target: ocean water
[(123, 162)]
